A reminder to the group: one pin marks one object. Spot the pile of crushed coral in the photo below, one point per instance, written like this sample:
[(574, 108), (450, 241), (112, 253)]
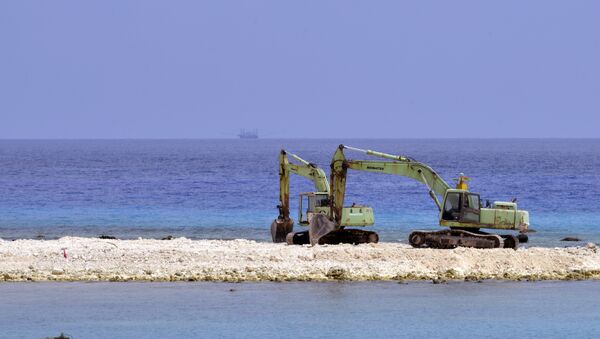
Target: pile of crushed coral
[(181, 259)]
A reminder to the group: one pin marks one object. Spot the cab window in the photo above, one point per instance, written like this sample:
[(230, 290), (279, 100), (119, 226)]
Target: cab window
[(461, 207), (322, 200), (452, 202), (473, 201), (452, 206), (311, 203)]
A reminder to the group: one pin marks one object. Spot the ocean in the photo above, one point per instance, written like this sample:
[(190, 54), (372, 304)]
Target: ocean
[(304, 310), (227, 189)]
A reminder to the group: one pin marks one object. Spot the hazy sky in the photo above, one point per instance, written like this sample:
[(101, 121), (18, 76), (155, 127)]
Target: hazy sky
[(197, 69)]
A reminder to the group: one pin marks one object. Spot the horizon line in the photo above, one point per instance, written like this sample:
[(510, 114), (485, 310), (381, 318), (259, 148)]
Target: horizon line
[(295, 138)]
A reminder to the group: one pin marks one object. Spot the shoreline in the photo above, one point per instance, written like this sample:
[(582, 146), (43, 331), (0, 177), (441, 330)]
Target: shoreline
[(182, 259)]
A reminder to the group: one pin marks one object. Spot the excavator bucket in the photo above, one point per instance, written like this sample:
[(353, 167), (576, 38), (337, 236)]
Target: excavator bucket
[(280, 229), (320, 226)]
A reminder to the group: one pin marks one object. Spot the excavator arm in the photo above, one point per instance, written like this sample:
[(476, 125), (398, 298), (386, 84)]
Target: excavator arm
[(284, 224), (399, 165), (328, 219), (466, 217), (306, 169)]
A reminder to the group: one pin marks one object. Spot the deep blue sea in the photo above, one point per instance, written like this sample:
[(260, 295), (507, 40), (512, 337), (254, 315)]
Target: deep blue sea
[(224, 189)]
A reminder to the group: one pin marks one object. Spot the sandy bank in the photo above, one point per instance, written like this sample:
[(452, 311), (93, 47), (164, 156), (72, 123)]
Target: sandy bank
[(243, 260)]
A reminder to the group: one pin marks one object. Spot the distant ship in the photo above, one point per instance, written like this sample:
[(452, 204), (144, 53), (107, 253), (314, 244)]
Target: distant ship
[(248, 134)]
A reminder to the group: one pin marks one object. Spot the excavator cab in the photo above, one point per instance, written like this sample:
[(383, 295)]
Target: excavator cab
[(461, 206), (462, 209), (315, 202)]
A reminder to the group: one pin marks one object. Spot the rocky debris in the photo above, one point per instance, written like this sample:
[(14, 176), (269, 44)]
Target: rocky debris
[(108, 237), (181, 259), (523, 238), (61, 336), (570, 239)]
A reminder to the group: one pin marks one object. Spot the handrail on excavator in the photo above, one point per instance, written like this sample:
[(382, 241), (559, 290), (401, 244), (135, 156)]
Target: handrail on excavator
[(301, 160), (377, 154)]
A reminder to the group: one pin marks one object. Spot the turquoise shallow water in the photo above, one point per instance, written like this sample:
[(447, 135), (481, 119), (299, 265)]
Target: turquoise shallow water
[(351, 310), (225, 189), (228, 188)]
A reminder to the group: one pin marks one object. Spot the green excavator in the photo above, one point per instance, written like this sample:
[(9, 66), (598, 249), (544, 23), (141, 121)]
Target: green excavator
[(317, 214), (460, 210)]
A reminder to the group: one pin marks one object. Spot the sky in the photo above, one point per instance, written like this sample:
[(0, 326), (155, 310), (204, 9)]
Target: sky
[(315, 68)]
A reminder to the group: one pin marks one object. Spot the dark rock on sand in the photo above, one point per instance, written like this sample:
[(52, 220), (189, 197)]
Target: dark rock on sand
[(523, 238)]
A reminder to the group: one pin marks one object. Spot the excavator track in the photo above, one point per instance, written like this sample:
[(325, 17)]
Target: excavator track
[(452, 238), (342, 236), (349, 236)]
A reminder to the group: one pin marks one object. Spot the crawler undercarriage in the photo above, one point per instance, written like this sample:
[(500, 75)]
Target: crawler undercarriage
[(341, 236), (321, 231), (454, 237), (329, 221)]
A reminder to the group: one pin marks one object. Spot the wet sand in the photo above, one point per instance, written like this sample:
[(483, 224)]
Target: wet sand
[(181, 259)]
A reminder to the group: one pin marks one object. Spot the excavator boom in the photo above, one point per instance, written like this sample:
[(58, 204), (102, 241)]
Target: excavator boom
[(306, 169), (322, 228), (401, 165), (284, 224), (462, 211), (328, 219)]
